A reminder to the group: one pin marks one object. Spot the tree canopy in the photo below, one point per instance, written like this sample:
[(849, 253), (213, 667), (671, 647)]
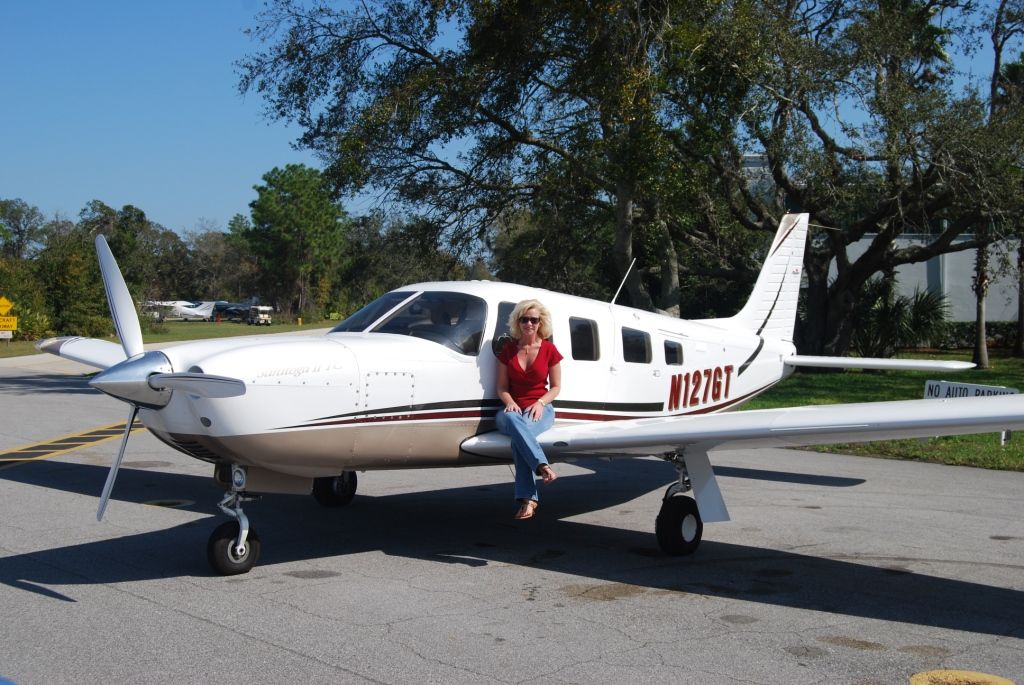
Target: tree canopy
[(297, 235), (297, 249), (554, 127), (564, 139), (21, 228)]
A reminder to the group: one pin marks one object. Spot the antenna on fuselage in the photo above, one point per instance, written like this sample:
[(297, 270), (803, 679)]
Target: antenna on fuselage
[(623, 280)]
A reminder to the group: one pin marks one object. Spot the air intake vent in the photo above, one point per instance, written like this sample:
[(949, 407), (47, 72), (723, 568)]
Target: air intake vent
[(194, 449)]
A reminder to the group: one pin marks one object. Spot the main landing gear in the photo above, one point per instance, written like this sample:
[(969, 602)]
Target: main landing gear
[(678, 526), (234, 546), (335, 491)]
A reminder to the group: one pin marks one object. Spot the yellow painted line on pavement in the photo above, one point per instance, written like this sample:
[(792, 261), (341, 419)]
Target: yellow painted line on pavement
[(954, 677), (64, 444)]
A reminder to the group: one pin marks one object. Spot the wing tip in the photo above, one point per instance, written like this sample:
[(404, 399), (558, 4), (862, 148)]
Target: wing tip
[(53, 345)]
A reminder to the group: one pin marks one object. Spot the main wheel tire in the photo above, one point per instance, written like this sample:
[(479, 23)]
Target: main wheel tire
[(678, 526), (220, 550), (335, 491)]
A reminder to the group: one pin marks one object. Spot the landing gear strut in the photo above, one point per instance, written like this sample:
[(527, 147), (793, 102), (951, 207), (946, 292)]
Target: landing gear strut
[(234, 547), (678, 526)]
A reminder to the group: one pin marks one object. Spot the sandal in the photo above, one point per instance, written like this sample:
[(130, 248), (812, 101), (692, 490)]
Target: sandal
[(547, 474), (526, 510)]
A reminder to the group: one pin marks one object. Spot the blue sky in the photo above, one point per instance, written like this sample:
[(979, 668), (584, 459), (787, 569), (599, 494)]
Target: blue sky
[(134, 103)]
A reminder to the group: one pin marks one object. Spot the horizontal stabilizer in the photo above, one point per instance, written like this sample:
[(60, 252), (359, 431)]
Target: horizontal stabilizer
[(100, 354), (877, 363), (200, 384)]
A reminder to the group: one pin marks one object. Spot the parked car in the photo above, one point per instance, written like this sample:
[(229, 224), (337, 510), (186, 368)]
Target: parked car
[(259, 315)]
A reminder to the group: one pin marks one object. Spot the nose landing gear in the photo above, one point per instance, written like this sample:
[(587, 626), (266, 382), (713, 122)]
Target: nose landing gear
[(234, 547)]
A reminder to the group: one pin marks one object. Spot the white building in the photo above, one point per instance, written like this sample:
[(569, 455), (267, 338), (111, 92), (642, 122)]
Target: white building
[(950, 274), (953, 275)]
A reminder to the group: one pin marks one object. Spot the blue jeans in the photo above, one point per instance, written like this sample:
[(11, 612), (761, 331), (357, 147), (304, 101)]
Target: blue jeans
[(526, 451)]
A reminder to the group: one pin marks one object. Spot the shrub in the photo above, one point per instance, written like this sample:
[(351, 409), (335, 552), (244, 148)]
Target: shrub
[(885, 323), (150, 325), (33, 325), (960, 335)]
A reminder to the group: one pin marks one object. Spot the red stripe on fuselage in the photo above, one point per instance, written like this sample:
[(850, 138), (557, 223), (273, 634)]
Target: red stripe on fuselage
[(421, 416), (566, 415)]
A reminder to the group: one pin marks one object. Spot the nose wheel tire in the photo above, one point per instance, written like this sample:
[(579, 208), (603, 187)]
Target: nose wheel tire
[(679, 526), (221, 552), (335, 491)]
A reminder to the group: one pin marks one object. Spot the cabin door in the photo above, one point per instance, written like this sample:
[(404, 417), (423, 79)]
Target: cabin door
[(638, 386)]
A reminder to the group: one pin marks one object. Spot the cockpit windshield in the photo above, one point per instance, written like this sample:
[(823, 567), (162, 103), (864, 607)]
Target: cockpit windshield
[(371, 312), (455, 320)]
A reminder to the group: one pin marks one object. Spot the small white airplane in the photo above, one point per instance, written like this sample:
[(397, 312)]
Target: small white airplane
[(409, 382), (180, 309), (195, 311)]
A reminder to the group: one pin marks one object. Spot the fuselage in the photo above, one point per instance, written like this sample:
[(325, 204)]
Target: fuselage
[(403, 382)]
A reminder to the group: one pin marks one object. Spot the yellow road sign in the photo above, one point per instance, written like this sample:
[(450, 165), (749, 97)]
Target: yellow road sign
[(5, 305), (8, 323)]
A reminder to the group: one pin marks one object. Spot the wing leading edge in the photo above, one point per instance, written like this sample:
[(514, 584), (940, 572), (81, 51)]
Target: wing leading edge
[(795, 427), (788, 427)]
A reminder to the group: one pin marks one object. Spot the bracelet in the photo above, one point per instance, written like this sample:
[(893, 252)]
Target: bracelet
[(542, 402)]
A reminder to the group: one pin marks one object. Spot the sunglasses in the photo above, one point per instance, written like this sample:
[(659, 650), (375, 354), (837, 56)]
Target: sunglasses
[(529, 319)]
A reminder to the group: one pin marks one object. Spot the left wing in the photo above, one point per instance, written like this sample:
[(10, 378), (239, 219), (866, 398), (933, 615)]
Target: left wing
[(787, 427)]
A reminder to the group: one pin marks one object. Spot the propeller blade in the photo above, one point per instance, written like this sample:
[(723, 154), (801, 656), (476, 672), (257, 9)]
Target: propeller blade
[(201, 384), (112, 475), (122, 307)]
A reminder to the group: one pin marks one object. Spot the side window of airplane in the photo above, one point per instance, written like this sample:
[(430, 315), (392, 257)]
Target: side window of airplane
[(501, 330), (636, 346), (583, 338), (673, 353)]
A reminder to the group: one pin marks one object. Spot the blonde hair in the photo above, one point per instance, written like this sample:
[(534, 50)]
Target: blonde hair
[(543, 329)]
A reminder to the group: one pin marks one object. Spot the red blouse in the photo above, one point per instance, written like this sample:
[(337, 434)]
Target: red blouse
[(528, 386)]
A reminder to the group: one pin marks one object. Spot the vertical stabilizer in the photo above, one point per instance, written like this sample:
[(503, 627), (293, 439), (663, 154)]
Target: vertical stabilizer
[(771, 310)]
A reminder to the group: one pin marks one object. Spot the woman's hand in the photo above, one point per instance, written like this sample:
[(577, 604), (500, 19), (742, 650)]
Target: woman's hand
[(513, 408), (536, 411)]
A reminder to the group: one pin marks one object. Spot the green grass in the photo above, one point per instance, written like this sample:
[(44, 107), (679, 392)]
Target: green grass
[(982, 450), (176, 331)]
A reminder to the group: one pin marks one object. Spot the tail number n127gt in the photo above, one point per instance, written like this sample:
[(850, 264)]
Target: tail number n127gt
[(696, 388)]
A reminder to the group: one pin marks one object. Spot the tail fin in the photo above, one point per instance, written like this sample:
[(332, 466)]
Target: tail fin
[(771, 309)]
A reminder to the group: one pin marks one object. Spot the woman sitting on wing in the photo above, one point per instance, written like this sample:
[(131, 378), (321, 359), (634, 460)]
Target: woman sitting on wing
[(529, 378)]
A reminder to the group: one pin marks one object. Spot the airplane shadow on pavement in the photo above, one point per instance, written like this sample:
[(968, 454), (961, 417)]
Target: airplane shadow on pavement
[(47, 384), (471, 526)]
